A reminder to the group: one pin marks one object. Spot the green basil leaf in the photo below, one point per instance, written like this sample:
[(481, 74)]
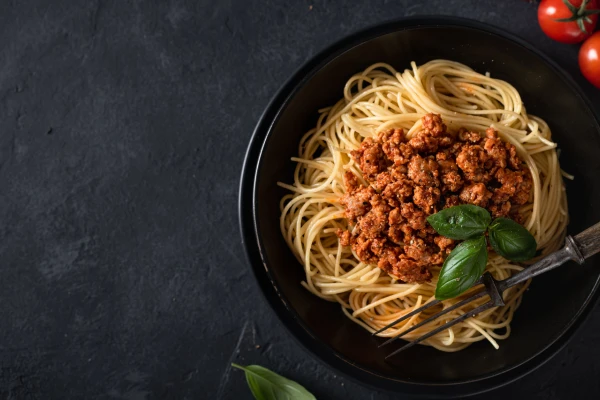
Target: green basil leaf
[(462, 268), (460, 222), (511, 240), (267, 385)]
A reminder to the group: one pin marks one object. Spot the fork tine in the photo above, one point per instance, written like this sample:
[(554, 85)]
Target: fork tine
[(410, 314), (436, 316), (418, 310), (447, 325)]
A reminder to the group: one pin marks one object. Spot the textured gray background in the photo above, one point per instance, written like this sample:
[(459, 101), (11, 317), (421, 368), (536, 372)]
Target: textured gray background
[(121, 271)]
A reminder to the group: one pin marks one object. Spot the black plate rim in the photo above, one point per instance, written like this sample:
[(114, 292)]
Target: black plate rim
[(268, 285)]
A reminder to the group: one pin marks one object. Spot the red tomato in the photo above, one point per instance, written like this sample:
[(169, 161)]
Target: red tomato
[(552, 13), (589, 59)]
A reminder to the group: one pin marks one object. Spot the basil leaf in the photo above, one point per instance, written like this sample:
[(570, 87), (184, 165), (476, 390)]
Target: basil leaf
[(462, 268), (511, 240), (267, 385), (460, 222)]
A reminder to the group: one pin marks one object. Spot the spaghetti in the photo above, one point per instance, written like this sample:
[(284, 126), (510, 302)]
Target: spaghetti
[(378, 99)]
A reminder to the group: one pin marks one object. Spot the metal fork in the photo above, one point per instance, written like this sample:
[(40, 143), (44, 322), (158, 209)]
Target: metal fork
[(579, 248)]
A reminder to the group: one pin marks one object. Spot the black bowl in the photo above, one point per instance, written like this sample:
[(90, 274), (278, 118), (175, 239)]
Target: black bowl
[(556, 303)]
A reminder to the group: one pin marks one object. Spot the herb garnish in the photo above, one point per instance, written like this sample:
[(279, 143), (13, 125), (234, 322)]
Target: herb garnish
[(466, 263), (267, 385), (461, 222), (462, 268), (511, 240)]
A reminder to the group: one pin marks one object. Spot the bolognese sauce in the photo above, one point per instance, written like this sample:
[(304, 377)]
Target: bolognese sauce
[(410, 179)]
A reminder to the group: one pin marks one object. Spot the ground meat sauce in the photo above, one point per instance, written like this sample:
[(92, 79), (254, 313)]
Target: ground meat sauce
[(412, 179)]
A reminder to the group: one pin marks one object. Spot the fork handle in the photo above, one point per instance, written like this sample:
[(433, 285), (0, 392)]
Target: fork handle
[(551, 261), (584, 245), (588, 241)]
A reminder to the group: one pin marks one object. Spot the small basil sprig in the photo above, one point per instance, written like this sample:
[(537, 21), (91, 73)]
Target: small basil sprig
[(466, 263), (460, 222), (462, 268), (511, 240), (267, 385)]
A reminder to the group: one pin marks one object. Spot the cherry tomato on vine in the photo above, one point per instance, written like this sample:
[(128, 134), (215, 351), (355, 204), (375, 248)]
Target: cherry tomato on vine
[(568, 21), (589, 59)]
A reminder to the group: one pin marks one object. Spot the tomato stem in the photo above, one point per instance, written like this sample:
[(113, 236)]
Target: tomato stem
[(580, 15)]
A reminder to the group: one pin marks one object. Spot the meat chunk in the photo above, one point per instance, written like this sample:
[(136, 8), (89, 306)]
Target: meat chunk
[(500, 209), (471, 137), (496, 151), (424, 142), (444, 243), (513, 159), (452, 201), (417, 249), (371, 159), (447, 165), (351, 182), (408, 180), (398, 172), (392, 137), (362, 247), (345, 237), (394, 148), (395, 217), (400, 154), (508, 181), (427, 198), (451, 179), (434, 124), (423, 171), (404, 268), (415, 218), (357, 203), (397, 192), (476, 193), (523, 191), (471, 160), (452, 182), (374, 223)]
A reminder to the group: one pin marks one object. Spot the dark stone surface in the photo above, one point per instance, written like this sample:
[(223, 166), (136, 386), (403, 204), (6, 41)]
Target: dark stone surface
[(123, 126)]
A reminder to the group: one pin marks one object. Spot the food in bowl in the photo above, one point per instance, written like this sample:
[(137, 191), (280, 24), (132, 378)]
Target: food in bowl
[(396, 149)]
